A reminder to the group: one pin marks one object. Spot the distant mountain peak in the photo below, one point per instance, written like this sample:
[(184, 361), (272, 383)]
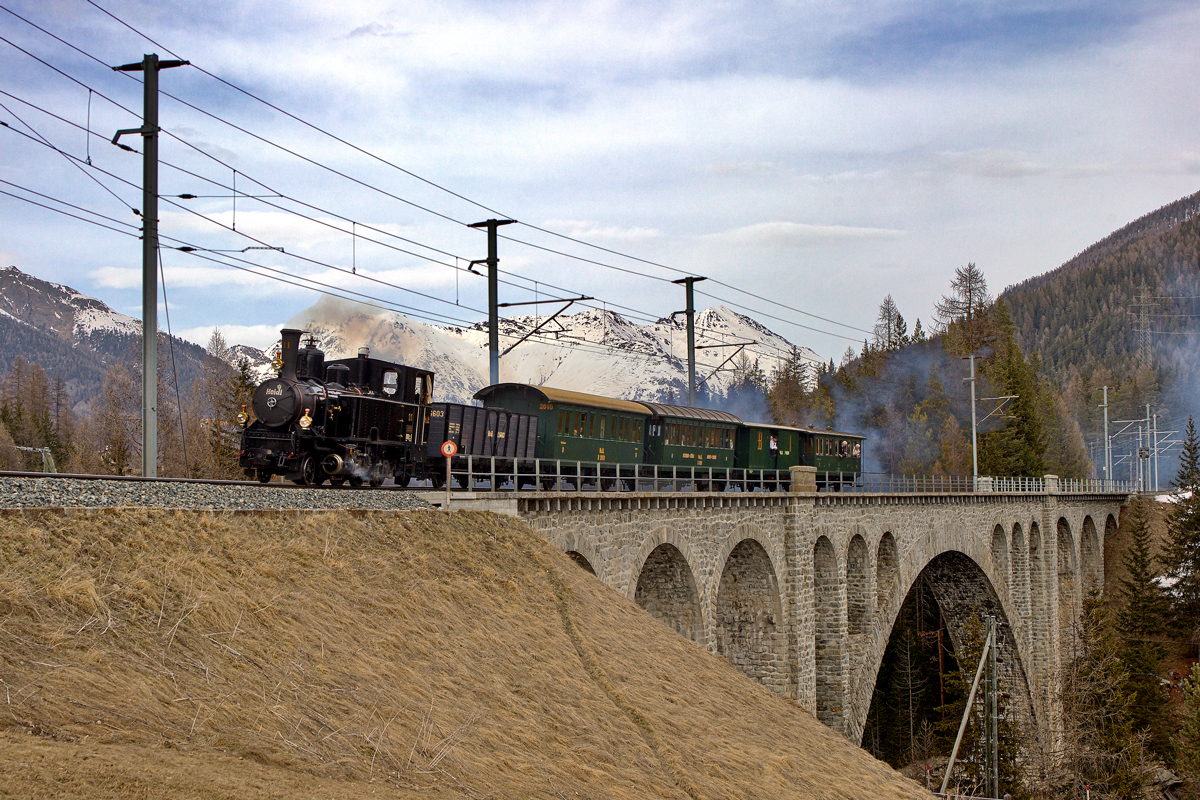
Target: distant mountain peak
[(598, 351)]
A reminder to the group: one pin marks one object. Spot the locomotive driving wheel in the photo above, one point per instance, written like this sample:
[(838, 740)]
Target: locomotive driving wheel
[(310, 472)]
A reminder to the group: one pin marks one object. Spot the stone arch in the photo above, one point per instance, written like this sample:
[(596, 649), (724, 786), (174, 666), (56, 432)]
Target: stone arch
[(666, 588), (738, 535), (652, 542), (1110, 526), (1066, 571), (582, 550), (1092, 573), (963, 588), (748, 617), (887, 570), (829, 653), (1000, 553), (582, 560), (857, 606)]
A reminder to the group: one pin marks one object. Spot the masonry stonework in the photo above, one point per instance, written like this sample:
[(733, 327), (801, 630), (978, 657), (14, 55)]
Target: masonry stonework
[(800, 591)]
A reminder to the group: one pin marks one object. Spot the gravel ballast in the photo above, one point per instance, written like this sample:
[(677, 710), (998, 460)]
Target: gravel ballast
[(22, 492)]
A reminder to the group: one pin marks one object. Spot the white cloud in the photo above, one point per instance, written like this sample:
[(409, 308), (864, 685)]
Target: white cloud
[(581, 229), (791, 234)]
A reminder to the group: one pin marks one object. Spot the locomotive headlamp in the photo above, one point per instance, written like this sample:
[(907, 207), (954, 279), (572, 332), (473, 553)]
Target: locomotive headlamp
[(305, 420), (243, 417)]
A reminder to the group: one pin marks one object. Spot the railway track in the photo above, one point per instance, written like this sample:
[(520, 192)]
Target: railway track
[(57, 490)]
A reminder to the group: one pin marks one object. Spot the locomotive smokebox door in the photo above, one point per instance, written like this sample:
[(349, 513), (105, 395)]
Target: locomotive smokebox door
[(276, 402)]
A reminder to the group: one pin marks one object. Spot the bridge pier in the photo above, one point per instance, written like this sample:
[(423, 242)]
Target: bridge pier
[(800, 591)]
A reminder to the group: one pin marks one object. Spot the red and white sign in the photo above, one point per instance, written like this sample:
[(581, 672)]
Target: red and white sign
[(449, 449)]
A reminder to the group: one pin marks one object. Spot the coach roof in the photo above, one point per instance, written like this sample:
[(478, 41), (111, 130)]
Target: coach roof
[(564, 396), (686, 412)]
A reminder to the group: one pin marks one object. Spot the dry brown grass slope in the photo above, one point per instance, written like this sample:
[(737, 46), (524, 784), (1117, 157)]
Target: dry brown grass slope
[(187, 655)]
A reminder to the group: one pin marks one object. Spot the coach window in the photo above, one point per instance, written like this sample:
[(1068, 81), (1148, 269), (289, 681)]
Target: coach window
[(390, 380)]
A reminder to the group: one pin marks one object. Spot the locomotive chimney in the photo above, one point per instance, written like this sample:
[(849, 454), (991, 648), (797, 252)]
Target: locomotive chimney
[(288, 347), (363, 354)]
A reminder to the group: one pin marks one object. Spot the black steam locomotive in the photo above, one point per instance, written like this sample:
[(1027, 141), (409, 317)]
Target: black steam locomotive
[(363, 420)]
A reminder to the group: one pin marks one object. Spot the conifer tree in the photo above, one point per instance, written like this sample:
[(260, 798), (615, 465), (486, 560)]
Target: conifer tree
[(918, 333), (1098, 745), (966, 304), (1181, 554), (1141, 622), (1018, 447), (1187, 741)]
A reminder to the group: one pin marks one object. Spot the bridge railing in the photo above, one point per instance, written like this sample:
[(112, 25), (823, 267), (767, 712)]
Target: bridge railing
[(1094, 486), (491, 473), (501, 474), (900, 484)]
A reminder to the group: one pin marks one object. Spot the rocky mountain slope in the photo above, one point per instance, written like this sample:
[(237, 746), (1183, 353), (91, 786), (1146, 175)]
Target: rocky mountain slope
[(75, 336), (593, 351)]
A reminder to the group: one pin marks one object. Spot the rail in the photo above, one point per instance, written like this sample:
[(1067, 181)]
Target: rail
[(492, 473)]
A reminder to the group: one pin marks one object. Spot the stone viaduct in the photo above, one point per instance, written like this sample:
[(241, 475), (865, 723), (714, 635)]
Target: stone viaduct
[(800, 590)]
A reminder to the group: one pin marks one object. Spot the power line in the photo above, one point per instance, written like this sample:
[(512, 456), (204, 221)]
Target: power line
[(286, 210), (650, 317), (475, 203), (340, 292)]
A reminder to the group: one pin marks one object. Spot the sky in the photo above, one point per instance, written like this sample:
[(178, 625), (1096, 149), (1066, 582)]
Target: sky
[(808, 158)]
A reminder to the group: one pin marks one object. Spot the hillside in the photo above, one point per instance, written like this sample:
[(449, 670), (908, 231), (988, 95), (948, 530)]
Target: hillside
[(1085, 311), (70, 334), (182, 654)]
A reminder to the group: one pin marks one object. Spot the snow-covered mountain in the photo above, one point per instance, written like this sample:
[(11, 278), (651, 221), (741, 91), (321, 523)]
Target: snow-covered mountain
[(74, 336), (59, 310), (591, 351)]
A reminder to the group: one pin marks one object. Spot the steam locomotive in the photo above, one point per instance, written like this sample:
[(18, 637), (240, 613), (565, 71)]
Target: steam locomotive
[(363, 420)]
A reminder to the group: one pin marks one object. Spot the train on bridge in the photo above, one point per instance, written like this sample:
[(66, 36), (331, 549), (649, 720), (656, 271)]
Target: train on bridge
[(365, 420)]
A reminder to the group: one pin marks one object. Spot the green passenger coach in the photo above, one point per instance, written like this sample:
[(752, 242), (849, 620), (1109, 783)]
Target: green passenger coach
[(836, 455), (573, 426), (754, 446), (609, 443), (692, 437)]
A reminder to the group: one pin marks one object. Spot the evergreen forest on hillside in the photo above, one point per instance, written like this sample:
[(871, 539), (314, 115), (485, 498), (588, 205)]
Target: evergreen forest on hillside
[(1126, 318), (198, 431)]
